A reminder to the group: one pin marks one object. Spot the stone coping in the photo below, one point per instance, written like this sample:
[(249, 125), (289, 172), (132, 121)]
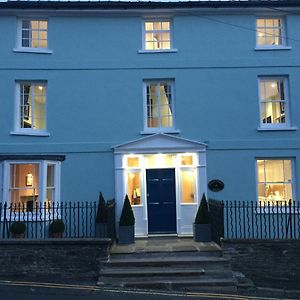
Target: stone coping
[(57, 241), (258, 241)]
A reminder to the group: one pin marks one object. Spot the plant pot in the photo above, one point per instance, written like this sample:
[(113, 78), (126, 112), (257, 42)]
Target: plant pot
[(126, 235), (18, 235), (56, 235), (202, 232), (101, 230)]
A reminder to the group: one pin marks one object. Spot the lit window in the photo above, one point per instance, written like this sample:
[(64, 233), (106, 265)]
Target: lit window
[(134, 188), (25, 188), (274, 181), (269, 32), (188, 186), (133, 162), (31, 106), (159, 105), (273, 102), (157, 35), (34, 34)]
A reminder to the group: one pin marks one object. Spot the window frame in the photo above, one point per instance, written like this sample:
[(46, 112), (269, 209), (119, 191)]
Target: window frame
[(159, 129), (20, 48), (18, 130), (276, 126), (144, 31), (42, 180), (293, 173), (283, 45)]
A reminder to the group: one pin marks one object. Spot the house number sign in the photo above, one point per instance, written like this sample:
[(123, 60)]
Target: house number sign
[(216, 185)]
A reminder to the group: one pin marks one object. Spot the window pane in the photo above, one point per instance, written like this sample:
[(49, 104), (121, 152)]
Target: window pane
[(188, 186), (50, 176), (134, 188), (34, 33), (187, 160), (269, 32), (274, 180), (24, 184), (159, 160), (132, 162)]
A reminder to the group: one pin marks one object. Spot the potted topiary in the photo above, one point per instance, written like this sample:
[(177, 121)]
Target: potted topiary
[(202, 226), (56, 228), (17, 229), (101, 218), (126, 224)]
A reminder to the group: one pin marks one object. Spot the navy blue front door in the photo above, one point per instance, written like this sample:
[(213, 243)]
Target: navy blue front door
[(161, 201)]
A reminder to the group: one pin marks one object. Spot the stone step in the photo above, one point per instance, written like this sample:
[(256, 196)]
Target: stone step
[(150, 272), (212, 253), (184, 284), (188, 262)]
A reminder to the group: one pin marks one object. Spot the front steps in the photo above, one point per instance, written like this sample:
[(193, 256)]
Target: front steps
[(169, 270)]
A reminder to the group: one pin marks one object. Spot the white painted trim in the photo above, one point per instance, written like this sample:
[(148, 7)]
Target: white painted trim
[(271, 48), (277, 128), (173, 50), (148, 131), (33, 50), (30, 133)]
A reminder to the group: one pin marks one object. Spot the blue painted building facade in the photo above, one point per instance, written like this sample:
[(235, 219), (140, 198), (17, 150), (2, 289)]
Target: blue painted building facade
[(95, 95)]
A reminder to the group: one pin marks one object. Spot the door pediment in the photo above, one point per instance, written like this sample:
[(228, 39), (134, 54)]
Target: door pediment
[(160, 142)]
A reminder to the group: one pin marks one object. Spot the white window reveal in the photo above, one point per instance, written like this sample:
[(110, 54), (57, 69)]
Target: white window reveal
[(31, 107), (274, 181), (157, 35), (274, 105), (159, 105), (270, 32)]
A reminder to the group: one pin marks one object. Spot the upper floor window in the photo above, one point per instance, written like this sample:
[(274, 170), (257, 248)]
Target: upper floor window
[(34, 33), (31, 106), (159, 105), (274, 180), (157, 35), (273, 102), (270, 32)]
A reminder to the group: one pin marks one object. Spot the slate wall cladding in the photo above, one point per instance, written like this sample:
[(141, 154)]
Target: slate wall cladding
[(62, 259), (269, 263)]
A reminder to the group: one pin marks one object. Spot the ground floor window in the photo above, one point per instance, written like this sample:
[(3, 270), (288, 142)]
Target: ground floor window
[(28, 184), (274, 180)]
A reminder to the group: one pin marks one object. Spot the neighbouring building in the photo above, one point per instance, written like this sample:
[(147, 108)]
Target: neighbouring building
[(152, 99)]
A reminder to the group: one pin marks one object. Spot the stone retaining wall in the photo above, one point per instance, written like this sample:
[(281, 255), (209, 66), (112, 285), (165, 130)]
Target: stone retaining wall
[(269, 263), (53, 260)]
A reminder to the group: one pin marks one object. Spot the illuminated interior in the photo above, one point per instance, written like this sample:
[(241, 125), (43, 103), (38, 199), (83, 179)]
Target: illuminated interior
[(34, 34), (272, 101), (269, 32), (274, 180), (24, 185), (33, 106), (134, 188), (157, 35), (159, 105), (183, 162)]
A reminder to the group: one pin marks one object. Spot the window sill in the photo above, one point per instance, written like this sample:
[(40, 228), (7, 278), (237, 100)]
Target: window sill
[(188, 204), (158, 51), (147, 131), (33, 50), (277, 128), (31, 133), (270, 48)]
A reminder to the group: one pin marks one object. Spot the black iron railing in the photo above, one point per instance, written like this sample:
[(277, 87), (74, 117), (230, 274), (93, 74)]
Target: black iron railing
[(79, 219), (255, 220)]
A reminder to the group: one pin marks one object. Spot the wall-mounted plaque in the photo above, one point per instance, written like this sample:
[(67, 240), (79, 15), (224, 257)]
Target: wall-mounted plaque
[(216, 185)]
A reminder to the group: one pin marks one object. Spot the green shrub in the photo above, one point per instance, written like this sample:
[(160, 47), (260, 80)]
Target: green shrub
[(102, 211), (17, 227), (202, 216), (127, 216), (57, 226)]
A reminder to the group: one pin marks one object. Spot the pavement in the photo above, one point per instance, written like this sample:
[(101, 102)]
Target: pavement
[(21, 290)]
